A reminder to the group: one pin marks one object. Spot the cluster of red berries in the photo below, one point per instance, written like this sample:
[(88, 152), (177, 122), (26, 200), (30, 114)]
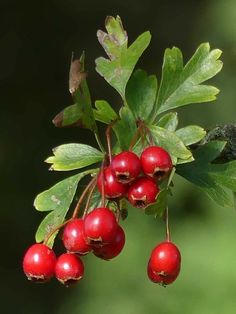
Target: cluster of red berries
[(134, 177), (99, 231)]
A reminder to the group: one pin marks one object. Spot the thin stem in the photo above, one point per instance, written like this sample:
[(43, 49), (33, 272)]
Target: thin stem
[(89, 199), (54, 230), (103, 184), (76, 210), (118, 210), (149, 135), (97, 137), (108, 137), (168, 239), (136, 135)]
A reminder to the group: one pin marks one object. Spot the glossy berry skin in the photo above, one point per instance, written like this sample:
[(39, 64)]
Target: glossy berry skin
[(69, 268), (126, 166), (143, 192), (100, 226), (156, 162), (112, 188), (164, 263), (74, 239), (39, 263), (112, 249), (160, 279)]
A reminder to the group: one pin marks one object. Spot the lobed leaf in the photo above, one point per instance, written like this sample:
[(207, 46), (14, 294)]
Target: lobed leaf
[(74, 156), (57, 200), (141, 94), (216, 180), (170, 141), (169, 121), (115, 40), (118, 68), (191, 134), (158, 208), (104, 112), (125, 128), (181, 85)]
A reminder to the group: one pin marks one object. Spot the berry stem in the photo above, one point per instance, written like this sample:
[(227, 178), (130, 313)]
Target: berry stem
[(54, 230), (108, 137), (97, 137), (168, 239), (89, 199), (76, 210), (103, 184), (117, 210), (149, 135), (136, 135)]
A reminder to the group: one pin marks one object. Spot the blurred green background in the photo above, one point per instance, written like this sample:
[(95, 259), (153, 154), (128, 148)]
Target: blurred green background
[(36, 40)]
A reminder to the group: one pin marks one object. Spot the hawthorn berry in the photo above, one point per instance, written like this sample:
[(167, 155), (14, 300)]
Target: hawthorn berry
[(74, 239), (126, 166), (143, 192), (39, 263), (69, 268), (164, 263), (112, 188), (100, 226), (112, 249), (159, 278), (156, 162)]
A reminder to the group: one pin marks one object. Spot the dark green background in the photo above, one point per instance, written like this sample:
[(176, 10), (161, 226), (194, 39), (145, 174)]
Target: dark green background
[(36, 40)]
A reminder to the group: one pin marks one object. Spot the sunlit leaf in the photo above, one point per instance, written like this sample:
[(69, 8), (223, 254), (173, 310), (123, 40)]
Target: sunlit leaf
[(182, 85), (191, 134), (57, 200), (118, 68), (74, 156)]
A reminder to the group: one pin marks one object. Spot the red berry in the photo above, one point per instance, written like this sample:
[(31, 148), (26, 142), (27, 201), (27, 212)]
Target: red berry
[(164, 264), (112, 249), (73, 237), (159, 278), (112, 188), (126, 166), (69, 268), (143, 192), (100, 226), (39, 262), (156, 162)]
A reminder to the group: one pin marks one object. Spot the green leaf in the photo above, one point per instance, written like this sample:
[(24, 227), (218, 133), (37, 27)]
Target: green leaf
[(125, 128), (169, 141), (216, 180), (74, 156), (115, 40), (104, 112), (209, 151), (81, 113), (119, 68), (225, 174), (141, 94), (169, 121), (57, 200), (181, 85), (191, 134), (159, 207)]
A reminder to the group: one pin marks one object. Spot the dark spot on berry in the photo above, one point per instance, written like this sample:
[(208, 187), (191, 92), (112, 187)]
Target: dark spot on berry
[(140, 203), (159, 174), (122, 178)]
